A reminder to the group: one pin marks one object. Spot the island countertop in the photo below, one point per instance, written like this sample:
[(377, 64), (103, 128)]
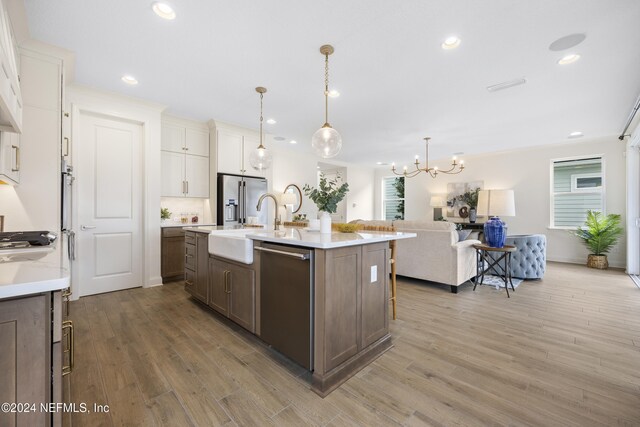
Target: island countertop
[(314, 239), (26, 272)]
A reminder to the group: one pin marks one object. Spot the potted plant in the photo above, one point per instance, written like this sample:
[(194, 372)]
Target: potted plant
[(165, 214), (470, 198), (326, 197), (599, 234)]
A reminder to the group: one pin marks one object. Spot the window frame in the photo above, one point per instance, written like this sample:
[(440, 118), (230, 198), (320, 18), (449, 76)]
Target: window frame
[(552, 193), (577, 176), (383, 200)]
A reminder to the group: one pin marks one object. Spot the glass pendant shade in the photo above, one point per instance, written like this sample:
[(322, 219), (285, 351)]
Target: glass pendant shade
[(260, 159), (326, 142)]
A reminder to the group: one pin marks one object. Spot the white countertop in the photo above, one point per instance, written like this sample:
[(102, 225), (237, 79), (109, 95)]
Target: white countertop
[(25, 272), (314, 239), (165, 224)]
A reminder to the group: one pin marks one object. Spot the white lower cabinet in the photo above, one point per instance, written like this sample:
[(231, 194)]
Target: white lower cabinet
[(9, 158), (184, 175)]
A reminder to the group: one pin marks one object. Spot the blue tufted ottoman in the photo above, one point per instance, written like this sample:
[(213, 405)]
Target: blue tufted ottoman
[(529, 261)]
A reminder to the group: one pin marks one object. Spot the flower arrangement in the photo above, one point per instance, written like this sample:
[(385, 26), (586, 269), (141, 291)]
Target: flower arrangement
[(470, 197), (328, 195)]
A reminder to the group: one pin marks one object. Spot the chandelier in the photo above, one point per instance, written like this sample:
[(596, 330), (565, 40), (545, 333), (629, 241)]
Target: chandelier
[(434, 171)]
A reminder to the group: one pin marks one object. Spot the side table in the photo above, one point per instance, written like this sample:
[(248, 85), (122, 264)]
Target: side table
[(500, 266)]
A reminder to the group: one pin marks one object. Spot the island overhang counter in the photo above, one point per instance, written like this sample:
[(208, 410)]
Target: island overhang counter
[(349, 304)]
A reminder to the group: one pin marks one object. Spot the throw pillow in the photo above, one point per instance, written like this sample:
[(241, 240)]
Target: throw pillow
[(463, 234)]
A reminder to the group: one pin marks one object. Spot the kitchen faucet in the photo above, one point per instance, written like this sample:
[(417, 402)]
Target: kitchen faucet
[(276, 221)]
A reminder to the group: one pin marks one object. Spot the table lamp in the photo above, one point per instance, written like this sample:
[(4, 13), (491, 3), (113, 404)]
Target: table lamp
[(437, 203), (494, 204)]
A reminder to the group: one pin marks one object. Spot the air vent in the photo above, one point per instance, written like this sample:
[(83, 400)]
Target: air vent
[(506, 85)]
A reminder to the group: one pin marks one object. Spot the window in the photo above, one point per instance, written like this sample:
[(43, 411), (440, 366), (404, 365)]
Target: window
[(577, 186), (393, 198)]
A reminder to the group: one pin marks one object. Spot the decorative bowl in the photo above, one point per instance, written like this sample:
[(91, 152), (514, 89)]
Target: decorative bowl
[(347, 228)]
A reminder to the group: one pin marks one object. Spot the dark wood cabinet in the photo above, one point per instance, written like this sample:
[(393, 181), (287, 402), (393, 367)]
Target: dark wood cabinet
[(31, 358), (232, 291), (351, 312), (172, 252), (196, 257)]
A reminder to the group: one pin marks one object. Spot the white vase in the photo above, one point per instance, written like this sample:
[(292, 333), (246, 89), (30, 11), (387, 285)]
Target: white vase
[(325, 222)]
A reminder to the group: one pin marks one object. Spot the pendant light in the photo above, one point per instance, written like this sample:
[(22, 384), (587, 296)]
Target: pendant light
[(326, 142), (260, 159)]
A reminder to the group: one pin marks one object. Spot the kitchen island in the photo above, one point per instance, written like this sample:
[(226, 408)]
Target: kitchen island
[(320, 299)]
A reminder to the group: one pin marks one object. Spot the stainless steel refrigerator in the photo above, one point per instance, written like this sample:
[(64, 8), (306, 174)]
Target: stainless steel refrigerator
[(238, 197)]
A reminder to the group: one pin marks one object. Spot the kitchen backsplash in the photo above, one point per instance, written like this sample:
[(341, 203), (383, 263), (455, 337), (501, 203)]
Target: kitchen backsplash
[(178, 206)]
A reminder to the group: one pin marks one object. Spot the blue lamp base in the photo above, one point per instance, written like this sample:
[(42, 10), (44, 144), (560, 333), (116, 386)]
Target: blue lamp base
[(495, 232)]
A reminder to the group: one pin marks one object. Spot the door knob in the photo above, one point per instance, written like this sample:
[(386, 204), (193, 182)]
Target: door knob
[(87, 227)]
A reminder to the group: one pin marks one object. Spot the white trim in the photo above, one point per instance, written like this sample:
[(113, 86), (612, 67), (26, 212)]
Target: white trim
[(576, 189), (633, 205)]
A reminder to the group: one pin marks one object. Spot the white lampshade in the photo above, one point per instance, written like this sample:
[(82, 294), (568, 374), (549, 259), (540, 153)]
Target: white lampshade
[(496, 203), (437, 202), (288, 199)]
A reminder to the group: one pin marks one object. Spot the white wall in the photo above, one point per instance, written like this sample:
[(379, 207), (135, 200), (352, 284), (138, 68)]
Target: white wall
[(291, 167), (34, 203), (527, 172)]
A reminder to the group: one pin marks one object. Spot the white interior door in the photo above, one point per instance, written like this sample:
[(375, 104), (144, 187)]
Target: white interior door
[(109, 185)]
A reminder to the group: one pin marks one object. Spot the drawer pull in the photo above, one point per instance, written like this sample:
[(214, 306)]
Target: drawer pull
[(17, 168), (70, 348), (188, 283)]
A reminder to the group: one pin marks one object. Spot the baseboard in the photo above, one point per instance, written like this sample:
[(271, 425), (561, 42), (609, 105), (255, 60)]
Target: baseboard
[(583, 261), (153, 281)]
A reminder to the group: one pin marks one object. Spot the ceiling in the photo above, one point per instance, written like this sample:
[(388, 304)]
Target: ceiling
[(397, 84)]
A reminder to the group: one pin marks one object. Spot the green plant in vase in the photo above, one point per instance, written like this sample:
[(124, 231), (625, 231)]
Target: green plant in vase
[(326, 197), (470, 198), (600, 233), (165, 214)]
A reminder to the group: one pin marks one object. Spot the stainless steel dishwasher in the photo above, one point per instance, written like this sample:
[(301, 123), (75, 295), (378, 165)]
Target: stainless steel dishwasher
[(286, 300)]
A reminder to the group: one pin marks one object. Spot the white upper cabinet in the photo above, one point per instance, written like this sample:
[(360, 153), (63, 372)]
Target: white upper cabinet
[(230, 152), (10, 95), (197, 142), (173, 173), (185, 158), (9, 158), (197, 176), (234, 149), (173, 137)]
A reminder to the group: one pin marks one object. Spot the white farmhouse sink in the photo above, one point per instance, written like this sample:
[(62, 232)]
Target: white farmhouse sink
[(232, 244)]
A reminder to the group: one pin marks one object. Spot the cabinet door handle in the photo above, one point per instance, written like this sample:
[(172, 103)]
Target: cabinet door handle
[(188, 283), (66, 370), (17, 168), (227, 282), (187, 192)]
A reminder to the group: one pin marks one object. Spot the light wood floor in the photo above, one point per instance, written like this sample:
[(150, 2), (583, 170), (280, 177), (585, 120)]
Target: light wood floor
[(561, 352)]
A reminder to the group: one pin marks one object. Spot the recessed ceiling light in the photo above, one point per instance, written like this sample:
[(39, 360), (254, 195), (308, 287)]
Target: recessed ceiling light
[(451, 43), (576, 134), (506, 85), (569, 59), (334, 93), (271, 121), (163, 10), (293, 141), (130, 80), (459, 153), (279, 138)]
